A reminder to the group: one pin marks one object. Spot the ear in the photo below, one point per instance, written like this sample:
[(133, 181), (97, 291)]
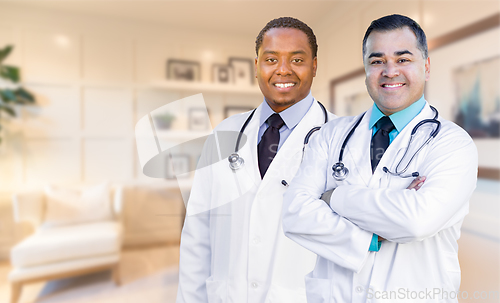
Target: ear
[(315, 66), (427, 69), (255, 67)]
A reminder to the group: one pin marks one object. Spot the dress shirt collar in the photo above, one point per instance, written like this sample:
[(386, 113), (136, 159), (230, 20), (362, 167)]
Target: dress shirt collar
[(292, 115), (399, 119)]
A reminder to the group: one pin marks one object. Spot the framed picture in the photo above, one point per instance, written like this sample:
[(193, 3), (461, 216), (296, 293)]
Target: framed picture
[(243, 70), (222, 74), (178, 166), (477, 108), (199, 119), (348, 94), (233, 110), (464, 87), (182, 70), (357, 103)]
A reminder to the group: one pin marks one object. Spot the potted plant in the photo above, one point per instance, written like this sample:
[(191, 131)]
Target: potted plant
[(164, 121), (12, 94)]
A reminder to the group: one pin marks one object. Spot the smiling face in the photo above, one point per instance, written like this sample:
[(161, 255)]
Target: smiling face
[(395, 69), (285, 67)]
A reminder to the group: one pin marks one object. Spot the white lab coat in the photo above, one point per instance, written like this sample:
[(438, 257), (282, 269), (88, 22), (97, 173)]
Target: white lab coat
[(233, 248), (421, 227)]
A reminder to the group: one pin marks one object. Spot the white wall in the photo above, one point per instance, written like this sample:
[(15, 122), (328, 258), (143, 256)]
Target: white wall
[(92, 78)]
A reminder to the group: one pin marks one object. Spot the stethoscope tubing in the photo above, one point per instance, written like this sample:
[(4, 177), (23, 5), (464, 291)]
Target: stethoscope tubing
[(236, 148), (236, 162), (432, 135), (340, 172)]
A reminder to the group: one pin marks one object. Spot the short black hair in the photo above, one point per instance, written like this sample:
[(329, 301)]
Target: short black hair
[(288, 22), (393, 22)]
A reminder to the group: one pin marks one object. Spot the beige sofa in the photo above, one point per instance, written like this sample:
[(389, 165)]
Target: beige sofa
[(66, 243)]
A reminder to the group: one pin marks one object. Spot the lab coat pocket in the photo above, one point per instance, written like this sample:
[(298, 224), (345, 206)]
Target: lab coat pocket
[(318, 290), (452, 268), (216, 291), (280, 294)]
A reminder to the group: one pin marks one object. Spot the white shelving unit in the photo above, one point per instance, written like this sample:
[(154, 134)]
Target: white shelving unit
[(217, 97), (181, 134), (205, 87)]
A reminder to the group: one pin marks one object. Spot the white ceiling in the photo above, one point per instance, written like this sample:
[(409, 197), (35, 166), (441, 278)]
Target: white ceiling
[(230, 16)]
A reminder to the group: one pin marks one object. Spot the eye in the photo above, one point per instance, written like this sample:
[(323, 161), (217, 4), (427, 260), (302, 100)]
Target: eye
[(271, 60), (376, 62), (297, 60), (403, 60)]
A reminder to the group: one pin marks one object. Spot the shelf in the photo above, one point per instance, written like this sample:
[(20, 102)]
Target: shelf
[(205, 87), (181, 134), (199, 87)]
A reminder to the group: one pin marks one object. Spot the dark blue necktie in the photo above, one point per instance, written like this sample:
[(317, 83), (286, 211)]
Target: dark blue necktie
[(269, 142), (380, 141)]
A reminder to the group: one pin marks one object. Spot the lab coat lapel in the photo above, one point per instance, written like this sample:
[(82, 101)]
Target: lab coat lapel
[(253, 164), (249, 152), (287, 160), (357, 152)]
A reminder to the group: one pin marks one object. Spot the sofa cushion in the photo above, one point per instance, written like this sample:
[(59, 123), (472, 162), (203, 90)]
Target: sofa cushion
[(68, 242), (67, 206), (72, 266)]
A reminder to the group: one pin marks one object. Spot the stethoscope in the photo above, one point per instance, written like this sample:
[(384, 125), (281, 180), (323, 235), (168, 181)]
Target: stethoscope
[(236, 161), (340, 171)]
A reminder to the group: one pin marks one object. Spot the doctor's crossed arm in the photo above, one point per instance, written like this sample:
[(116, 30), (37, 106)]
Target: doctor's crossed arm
[(311, 222), (402, 215), (416, 184)]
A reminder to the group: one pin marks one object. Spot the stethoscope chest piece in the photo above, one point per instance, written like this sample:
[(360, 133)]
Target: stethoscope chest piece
[(235, 161), (340, 172)]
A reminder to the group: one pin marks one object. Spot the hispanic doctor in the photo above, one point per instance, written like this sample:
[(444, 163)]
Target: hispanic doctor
[(376, 240), (233, 248)]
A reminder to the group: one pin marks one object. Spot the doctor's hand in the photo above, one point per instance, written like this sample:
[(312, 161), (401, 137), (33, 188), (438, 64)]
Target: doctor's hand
[(417, 183), (327, 195)]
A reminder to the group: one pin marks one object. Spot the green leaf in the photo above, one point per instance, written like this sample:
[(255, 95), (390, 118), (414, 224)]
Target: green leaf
[(10, 72), (25, 95), (9, 110), (22, 101), (5, 52), (8, 95)]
